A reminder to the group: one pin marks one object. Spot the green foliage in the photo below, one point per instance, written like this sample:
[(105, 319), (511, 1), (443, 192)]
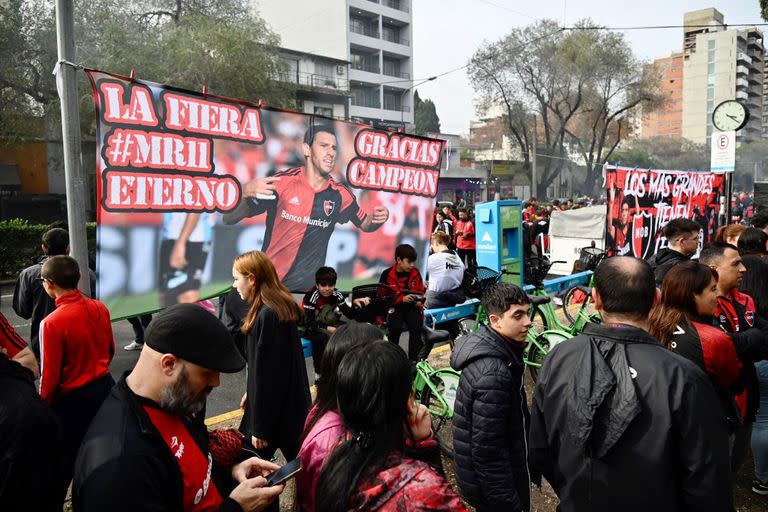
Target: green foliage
[(425, 115), (764, 9), (185, 43), (21, 245)]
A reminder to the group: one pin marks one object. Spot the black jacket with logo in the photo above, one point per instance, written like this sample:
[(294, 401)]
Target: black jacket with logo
[(490, 422), (124, 464), (618, 422)]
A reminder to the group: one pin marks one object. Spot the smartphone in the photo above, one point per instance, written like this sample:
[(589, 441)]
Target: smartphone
[(285, 473)]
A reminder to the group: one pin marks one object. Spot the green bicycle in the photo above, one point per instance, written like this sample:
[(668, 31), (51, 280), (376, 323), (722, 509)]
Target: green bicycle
[(579, 298), (436, 390), (540, 338)]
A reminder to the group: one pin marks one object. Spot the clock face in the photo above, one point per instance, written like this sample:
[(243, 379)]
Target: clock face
[(730, 115)]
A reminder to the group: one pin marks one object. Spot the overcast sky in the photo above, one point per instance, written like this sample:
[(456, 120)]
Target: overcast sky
[(447, 32)]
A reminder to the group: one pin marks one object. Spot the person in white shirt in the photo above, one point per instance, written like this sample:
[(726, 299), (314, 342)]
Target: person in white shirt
[(445, 272)]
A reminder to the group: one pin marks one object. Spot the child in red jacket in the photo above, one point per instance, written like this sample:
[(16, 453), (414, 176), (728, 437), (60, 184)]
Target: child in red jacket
[(404, 275)]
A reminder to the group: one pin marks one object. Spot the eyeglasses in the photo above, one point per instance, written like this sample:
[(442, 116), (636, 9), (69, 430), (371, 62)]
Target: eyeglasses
[(45, 280)]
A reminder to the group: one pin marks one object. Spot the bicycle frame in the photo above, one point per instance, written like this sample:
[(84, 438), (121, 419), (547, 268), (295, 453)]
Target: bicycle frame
[(426, 377)]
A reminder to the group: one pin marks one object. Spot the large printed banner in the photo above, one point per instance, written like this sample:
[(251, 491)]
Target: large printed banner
[(642, 201), (188, 181)]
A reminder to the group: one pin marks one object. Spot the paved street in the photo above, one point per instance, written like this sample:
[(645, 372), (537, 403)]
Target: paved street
[(223, 399)]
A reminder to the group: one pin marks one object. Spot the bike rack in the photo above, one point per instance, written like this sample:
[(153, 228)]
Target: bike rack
[(561, 284), (466, 309)]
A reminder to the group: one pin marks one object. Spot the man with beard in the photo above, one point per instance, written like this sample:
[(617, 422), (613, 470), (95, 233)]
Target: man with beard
[(147, 449)]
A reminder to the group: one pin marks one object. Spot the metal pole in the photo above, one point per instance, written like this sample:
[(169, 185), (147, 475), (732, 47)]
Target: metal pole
[(534, 171), (70, 128)]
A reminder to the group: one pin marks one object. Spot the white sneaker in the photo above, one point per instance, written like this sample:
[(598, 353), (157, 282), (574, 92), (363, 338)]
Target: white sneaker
[(134, 345)]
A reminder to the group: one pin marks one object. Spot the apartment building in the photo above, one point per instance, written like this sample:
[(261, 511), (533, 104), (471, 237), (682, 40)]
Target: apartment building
[(720, 64), (349, 58)]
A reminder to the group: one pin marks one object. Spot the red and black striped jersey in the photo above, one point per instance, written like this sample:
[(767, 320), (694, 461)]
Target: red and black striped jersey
[(300, 221)]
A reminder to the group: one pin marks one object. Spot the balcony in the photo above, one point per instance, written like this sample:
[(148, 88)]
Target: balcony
[(740, 82), (741, 95), (364, 29), (396, 4), (313, 80), (369, 67), (742, 70), (755, 43), (754, 79), (755, 91), (396, 73), (365, 102), (394, 38), (743, 57)]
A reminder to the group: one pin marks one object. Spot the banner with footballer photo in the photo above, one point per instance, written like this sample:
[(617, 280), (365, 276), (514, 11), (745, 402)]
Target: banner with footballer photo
[(187, 181), (642, 201)]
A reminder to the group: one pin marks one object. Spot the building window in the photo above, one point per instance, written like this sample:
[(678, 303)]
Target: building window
[(711, 69), (392, 101), (363, 96), (364, 26), (711, 44), (392, 34), (711, 56), (710, 93), (364, 61), (324, 111)]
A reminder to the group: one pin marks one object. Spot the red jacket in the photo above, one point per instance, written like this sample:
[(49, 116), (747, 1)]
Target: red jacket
[(10, 339), (399, 282), (405, 485), (465, 227), (76, 345)]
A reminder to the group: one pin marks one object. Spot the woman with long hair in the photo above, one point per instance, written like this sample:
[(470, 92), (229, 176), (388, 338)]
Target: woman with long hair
[(682, 321), (324, 427), (369, 471), (277, 391), (754, 285)]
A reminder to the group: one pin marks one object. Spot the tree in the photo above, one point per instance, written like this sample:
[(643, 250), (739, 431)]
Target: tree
[(186, 43), (764, 9), (425, 115), (580, 85)]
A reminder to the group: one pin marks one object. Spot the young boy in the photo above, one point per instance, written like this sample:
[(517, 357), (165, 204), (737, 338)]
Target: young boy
[(76, 347), (323, 305), (491, 413), (403, 275)]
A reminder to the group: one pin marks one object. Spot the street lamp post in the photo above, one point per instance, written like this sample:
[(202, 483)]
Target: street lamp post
[(402, 96)]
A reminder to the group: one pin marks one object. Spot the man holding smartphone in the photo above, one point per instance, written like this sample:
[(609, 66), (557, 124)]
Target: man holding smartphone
[(148, 448)]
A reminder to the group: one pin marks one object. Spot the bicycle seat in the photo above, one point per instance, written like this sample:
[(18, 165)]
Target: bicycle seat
[(538, 301), (435, 335)]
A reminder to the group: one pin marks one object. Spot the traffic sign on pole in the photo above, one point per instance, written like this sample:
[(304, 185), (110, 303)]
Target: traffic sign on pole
[(723, 152)]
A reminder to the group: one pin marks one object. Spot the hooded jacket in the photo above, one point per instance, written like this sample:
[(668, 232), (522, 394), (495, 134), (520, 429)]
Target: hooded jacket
[(618, 422), (490, 422), (664, 260)]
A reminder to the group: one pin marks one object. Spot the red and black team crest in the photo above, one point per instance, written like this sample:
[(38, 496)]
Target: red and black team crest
[(328, 207), (749, 316), (641, 227)]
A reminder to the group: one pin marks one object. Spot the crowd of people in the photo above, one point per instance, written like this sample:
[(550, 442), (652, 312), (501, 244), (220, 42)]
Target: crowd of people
[(654, 408)]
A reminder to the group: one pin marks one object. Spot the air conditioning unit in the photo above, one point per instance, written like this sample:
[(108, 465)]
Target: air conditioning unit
[(340, 69)]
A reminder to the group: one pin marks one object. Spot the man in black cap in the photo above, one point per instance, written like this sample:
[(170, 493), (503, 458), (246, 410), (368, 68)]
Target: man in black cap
[(146, 450)]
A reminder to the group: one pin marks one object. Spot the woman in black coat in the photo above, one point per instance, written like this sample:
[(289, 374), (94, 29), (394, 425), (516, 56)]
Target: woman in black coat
[(277, 398)]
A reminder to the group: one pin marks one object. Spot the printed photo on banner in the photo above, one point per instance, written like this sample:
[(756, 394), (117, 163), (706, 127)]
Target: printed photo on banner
[(642, 201), (188, 181)]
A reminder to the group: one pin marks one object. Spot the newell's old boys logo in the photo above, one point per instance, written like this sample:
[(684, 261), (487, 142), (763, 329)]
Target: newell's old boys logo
[(641, 233), (328, 207)]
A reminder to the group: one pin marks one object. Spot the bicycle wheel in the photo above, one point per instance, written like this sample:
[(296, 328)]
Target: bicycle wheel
[(539, 321), (536, 356), (441, 412), (575, 301)]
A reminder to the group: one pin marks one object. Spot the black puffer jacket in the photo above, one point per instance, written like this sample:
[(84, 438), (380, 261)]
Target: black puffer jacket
[(490, 423), (618, 422), (664, 260)]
